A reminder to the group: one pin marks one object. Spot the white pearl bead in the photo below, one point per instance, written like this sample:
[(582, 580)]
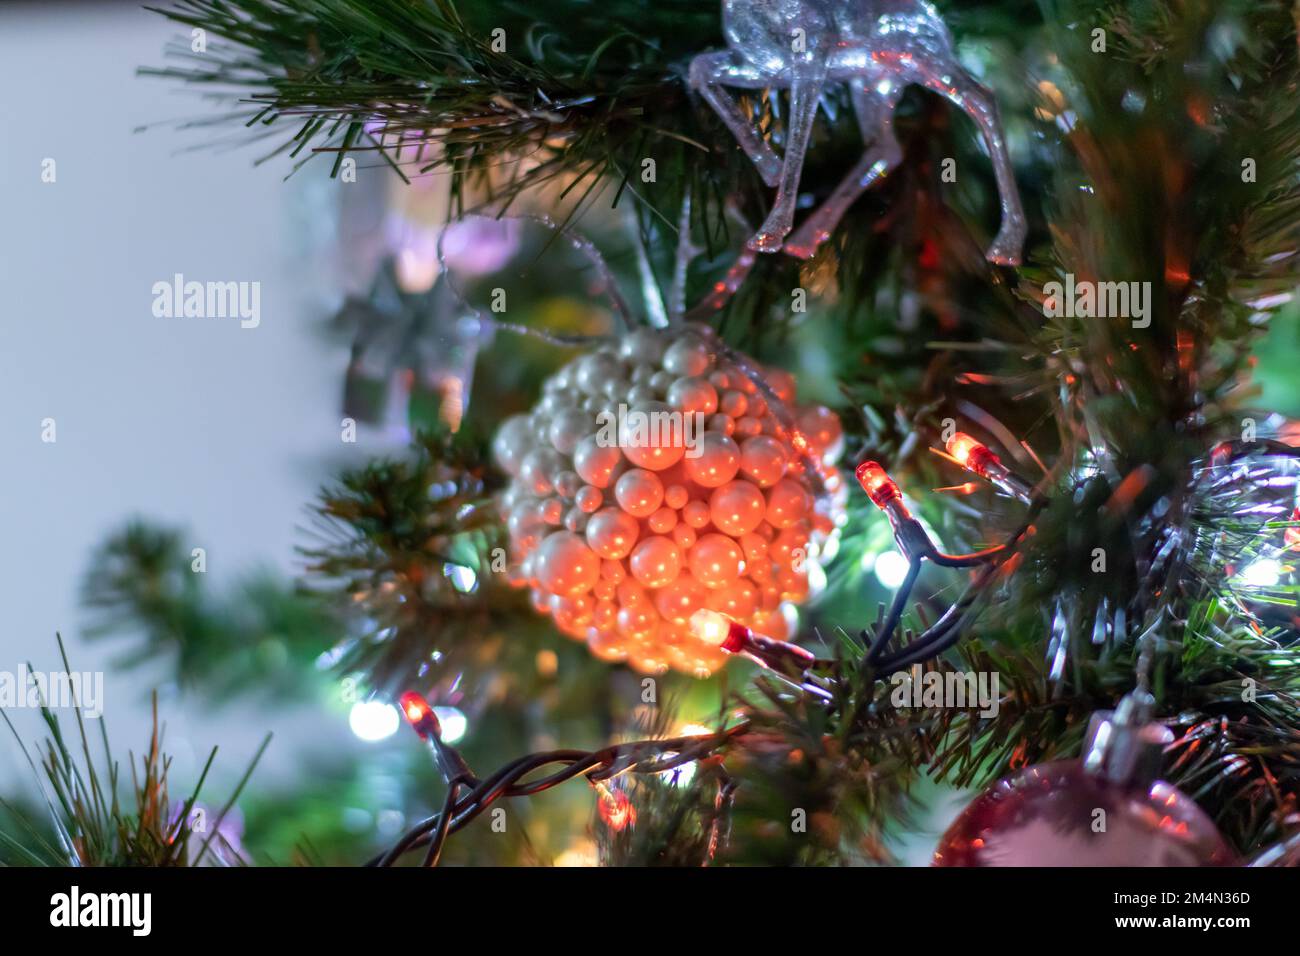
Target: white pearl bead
[(641, 395), (567, 484), (737, 507), (594, 371), (553, 404), (642, 345), (537, 468), (687, 356), (576, 520), (513, 441), (565, 565), (650, 436), (693, 395), (567, 428), (639, 492), (720, 423), (763, 459), (524, 523), (596, 463), (612, 533), (552, 511), (717, 462)]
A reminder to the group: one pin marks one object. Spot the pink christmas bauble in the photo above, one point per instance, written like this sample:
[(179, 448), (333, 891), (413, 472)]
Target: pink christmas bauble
[(1057, 814)]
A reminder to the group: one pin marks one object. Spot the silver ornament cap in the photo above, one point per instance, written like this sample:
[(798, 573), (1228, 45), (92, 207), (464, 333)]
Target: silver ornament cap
[(1124, 746)]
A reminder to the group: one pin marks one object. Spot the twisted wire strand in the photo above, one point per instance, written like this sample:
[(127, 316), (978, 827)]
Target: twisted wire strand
[(641, 756)]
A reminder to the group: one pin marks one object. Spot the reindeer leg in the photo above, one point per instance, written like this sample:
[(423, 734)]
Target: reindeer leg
[(709, 72), (981, 106), (805, 92), (875, 116)]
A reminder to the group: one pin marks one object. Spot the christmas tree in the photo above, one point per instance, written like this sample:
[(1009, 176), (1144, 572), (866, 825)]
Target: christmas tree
[(818, 412)]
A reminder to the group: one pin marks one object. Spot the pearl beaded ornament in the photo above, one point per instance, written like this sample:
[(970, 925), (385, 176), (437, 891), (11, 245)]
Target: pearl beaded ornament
[(656, 477)]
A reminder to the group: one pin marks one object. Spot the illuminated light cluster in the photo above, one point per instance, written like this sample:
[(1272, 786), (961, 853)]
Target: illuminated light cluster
[(452, 723), (1262, 573), (425, 718), (891, 568), (373, 720), (655, 478)]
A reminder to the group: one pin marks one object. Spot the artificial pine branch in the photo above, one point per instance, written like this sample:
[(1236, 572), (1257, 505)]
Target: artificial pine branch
[(264, 634), (412, 550), (575, 86), (575, 94), (1157, 191), (92, 825)]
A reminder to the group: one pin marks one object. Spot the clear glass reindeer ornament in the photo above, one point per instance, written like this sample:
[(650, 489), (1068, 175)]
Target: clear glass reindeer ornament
[(877, 48)]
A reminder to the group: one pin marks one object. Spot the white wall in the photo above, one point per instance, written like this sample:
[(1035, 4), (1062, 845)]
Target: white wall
[(193, 421)]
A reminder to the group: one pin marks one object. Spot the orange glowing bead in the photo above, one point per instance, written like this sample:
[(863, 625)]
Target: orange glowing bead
[(616, 809)]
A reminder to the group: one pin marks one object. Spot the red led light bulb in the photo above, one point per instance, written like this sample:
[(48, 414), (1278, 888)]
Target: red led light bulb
[(880, 488), (419, 713), (615, 808), (972, 455), (718, 630)]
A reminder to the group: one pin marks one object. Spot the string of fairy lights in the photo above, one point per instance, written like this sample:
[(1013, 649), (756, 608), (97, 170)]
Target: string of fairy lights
[(468, 795)]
